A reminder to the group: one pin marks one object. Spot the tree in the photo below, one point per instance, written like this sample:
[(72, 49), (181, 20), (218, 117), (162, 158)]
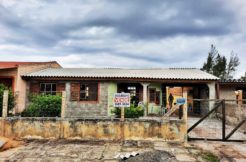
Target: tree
[(232, 65), (208, 66), (243, 77), (219, 68), (216, 64)]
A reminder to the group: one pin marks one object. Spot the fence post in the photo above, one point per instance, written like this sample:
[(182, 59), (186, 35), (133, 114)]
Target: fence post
[(5, 103), (64, 105), (223, 121)]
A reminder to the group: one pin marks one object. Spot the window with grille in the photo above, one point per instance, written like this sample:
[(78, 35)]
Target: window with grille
[(48, 88), (88, 91)]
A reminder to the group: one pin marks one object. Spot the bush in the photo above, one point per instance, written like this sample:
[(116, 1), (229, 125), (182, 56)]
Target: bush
[(131, 112), (11, 102), (43, 106)]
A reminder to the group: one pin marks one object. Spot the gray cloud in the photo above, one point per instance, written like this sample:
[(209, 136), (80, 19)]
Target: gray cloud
[(183, 17), (156, 33), (138, 19)]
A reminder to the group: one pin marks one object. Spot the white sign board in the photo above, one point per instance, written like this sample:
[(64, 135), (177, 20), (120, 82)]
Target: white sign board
[(122, 100)]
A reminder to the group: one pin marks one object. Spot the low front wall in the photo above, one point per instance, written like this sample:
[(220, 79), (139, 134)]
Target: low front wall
[(93, 129)]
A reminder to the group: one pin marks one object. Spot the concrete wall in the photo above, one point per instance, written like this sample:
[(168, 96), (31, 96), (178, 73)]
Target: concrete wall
[(93, 129), (227, 92), (204, 105), (235, 113), (88, 109)]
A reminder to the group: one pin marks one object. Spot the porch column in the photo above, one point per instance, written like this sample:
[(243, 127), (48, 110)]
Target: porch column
[(5, 103), (145, 97), (212, 94), (64, 104)]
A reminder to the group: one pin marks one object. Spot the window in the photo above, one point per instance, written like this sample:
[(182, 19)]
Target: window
[(157, 98), (152, 95), (132, 90), (88, 91), (48, 88)]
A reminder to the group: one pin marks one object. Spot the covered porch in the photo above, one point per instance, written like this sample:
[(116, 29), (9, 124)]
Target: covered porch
[(156, 97)]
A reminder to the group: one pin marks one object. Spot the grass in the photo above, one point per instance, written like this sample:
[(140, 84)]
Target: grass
[(208, 156)]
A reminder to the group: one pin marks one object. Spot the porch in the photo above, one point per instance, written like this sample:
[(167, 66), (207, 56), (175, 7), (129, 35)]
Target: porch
[(161, 97)]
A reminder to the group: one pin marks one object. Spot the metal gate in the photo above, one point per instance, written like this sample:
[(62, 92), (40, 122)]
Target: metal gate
[(214, 124)]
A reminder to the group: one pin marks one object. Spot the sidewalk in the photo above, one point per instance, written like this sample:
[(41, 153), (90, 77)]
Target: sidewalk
[(227, 151), (67, 150)]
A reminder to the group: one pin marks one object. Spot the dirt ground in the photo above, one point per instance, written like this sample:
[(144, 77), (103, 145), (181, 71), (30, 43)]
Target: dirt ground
[(6, 143)]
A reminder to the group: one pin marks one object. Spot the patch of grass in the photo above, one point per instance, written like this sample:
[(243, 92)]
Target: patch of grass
[(208, 156)]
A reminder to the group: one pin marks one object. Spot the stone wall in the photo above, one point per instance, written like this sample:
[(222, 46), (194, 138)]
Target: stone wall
[(88, 109), (93, 129)]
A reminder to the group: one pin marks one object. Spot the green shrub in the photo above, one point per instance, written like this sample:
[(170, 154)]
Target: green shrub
[(43, 106), (131, 112), (11, 102)]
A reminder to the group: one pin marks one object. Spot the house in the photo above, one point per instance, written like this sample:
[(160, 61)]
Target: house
[(10, 75), (90, 91)]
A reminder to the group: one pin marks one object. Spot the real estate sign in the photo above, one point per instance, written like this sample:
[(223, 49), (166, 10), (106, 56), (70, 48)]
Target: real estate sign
[(122, 100)]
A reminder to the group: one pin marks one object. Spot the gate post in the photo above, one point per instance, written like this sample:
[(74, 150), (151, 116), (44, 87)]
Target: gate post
[(64, 104), (223, 121), (5, 103), (185, 120)]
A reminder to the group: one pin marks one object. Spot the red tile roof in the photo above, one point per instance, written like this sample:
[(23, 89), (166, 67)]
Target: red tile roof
[(13, 64)]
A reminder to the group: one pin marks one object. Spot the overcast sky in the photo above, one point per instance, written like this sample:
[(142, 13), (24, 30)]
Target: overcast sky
[(122, 33)]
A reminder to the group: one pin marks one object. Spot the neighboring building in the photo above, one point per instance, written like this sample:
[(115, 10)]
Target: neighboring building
[(10, 75), (90, 91), (233, 89)]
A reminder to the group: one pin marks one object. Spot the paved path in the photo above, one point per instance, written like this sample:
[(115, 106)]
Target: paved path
[(227, 151), (64, 150), (212, 128)]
